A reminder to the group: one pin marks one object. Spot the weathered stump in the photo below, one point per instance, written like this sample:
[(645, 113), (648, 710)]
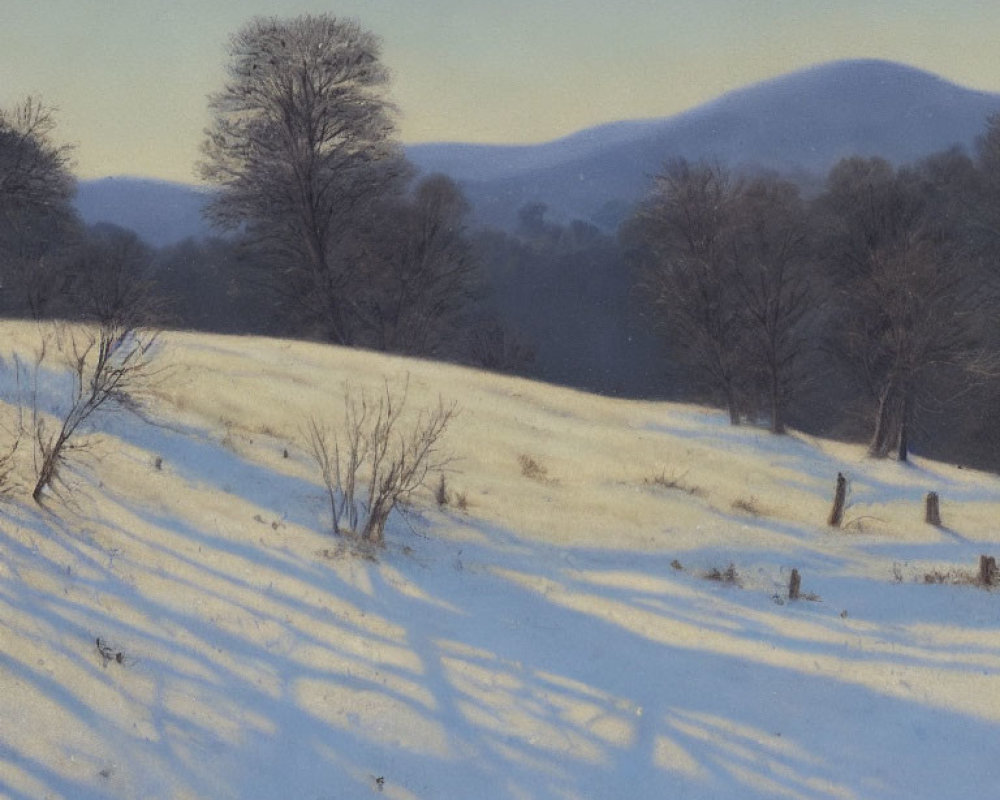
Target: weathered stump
[(839, 498), (932, 512), (987, 570), (794, 584)]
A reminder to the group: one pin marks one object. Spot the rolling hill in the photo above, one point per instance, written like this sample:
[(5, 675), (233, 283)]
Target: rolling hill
[(613, 622), (800, 123), (161, 212)]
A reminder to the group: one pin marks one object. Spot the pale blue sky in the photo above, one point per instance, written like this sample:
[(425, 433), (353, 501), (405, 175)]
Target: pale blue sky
[(130, 77)]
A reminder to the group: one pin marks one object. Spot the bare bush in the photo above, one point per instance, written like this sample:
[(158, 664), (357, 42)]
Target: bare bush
[(108, 366), (374, 463)]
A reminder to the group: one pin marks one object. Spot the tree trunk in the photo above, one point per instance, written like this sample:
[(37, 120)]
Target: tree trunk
[(731, 406), (903, 440), (887, 421), (777, 413), (49, 468)]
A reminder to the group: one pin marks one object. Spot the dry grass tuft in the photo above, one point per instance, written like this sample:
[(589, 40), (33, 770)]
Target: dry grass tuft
[(748, 505), (673, 482), (985, 577), (533, 470), (952, 577), (729, 575), (867, 524)]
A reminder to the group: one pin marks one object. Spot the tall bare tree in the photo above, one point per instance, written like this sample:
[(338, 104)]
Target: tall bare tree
[(421, 274), (910, 296), (679, 242), (770, 248), (301, 144)]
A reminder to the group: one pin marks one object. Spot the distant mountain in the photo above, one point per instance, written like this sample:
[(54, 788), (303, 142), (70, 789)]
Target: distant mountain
[(802, 123), (159, 211)]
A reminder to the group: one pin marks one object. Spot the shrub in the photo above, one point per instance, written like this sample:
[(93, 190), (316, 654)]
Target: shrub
[(108, 367), (373, 464)]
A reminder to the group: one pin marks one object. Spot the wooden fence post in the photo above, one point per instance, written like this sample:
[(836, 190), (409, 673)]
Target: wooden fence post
[(932, 513), (839, 498), (987, 570), (794, 583)]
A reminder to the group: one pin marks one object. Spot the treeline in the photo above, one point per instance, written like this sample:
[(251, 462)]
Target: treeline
[(868, 309), (564, 292), (865, 310)]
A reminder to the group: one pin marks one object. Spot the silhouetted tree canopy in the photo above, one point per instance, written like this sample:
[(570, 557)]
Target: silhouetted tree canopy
[(37, 219)]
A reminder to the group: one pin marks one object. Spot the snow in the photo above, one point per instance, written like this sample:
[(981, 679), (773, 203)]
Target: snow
[(540, 645)]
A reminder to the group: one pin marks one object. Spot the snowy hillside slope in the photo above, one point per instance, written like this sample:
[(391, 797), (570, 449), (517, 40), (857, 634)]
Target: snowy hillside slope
[(541, 644)]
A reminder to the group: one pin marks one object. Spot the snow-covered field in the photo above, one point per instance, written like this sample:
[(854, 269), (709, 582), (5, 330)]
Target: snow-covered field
[(558, 639)]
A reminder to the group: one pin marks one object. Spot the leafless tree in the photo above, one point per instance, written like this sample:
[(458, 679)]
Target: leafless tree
[(986, 211), (420, 271), (36, 215), (911, 299), (769, 245), (34, 170), (679, 242), (374, 462), (112, 279), (301, 145)]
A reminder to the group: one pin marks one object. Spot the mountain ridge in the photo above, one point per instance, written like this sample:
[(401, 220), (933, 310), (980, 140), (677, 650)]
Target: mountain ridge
[(803, 122), (162, 212), (800, 122)]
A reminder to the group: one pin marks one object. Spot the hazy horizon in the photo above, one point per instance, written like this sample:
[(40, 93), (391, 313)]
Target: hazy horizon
[(131, 86)]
